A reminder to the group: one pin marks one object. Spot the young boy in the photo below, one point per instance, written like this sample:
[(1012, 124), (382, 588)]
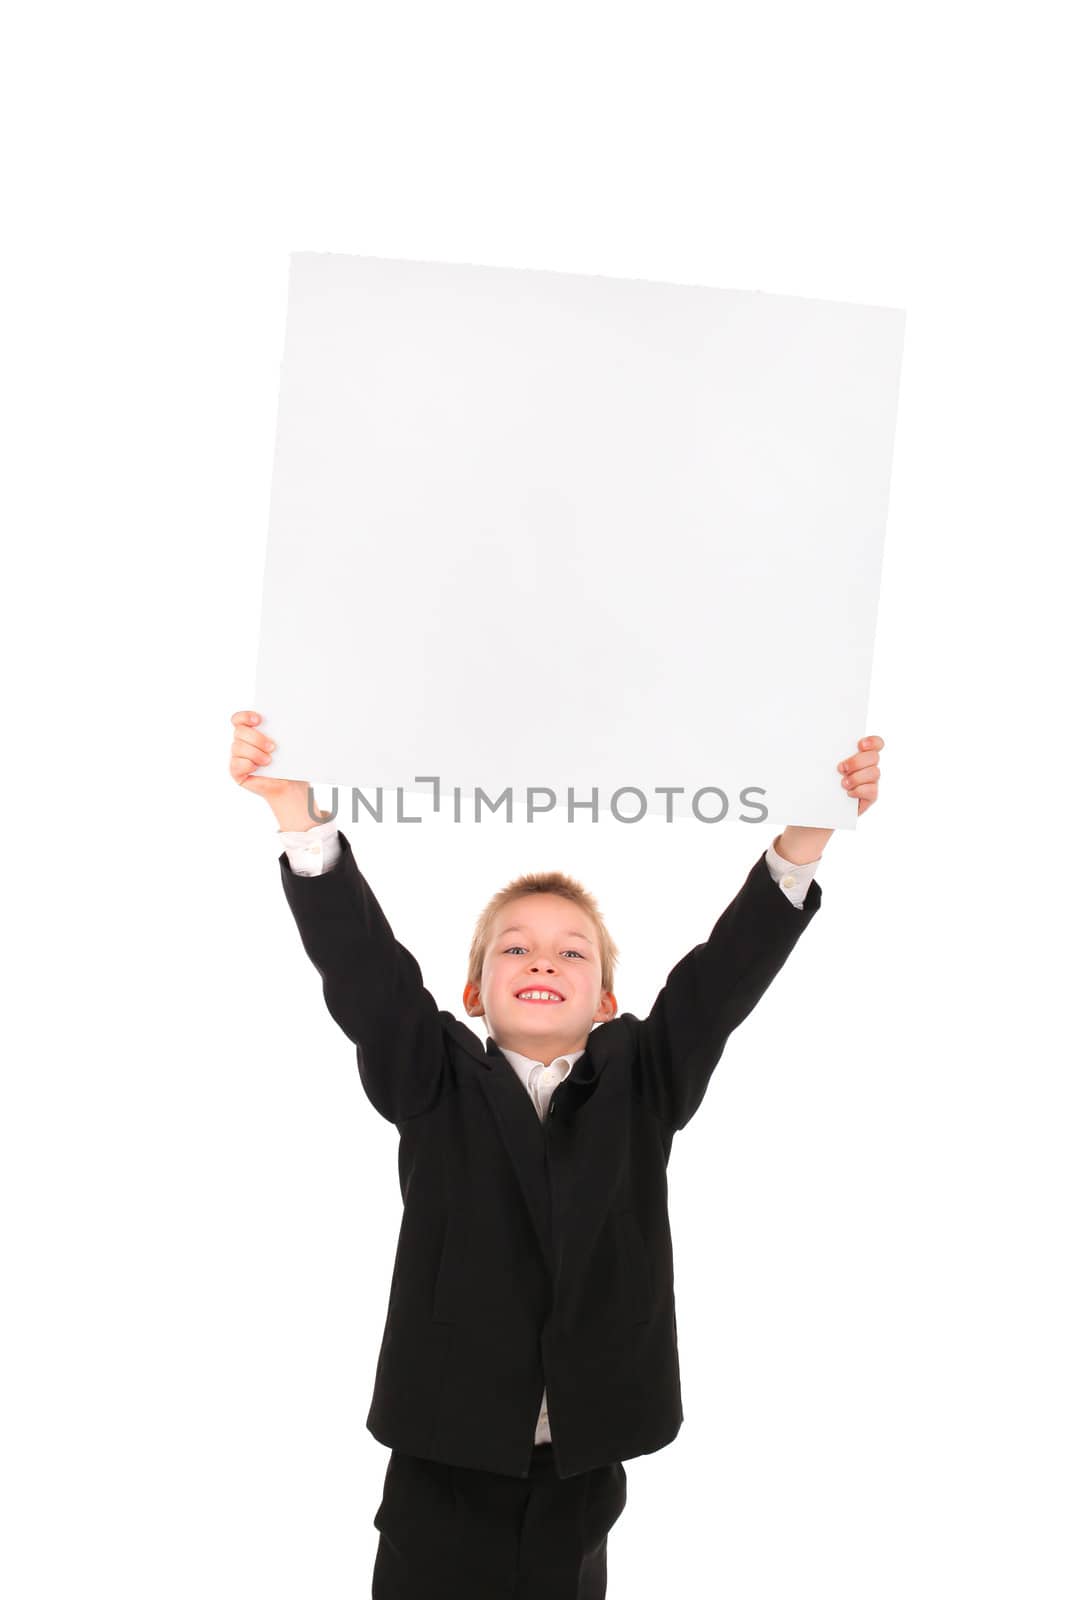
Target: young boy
[(530, 1344)]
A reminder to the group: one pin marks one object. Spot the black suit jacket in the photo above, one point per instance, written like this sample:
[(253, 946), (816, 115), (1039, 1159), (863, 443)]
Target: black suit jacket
[(532, 1255)]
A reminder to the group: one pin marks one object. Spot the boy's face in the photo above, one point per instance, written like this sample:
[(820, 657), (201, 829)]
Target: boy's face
[(541, 942)]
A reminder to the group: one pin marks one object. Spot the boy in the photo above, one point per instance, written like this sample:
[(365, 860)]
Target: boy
[(530, 1344)]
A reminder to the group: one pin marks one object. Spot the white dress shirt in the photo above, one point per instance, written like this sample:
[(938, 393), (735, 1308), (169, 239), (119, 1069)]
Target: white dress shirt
[(316, 850)]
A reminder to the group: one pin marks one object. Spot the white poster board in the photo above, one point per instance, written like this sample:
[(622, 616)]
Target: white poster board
[(541, 531)]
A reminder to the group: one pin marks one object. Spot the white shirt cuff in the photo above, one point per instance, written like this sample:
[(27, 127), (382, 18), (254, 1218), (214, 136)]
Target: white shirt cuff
[(311, 851), (793, 880)]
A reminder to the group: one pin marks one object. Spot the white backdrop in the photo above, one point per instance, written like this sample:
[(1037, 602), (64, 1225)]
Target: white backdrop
[(668, 496), (199, 1207)]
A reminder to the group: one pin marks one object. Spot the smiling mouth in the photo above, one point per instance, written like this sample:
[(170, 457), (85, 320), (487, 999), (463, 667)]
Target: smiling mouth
[(532, 1000)]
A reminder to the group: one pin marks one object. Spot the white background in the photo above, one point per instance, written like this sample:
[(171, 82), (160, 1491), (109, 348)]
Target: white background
[(198, 1207)]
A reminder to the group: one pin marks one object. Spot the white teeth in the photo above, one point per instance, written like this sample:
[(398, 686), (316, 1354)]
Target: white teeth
[(538, 994)]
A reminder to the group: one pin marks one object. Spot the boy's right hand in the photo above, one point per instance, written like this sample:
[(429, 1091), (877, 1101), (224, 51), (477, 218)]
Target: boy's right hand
[(250, 751)]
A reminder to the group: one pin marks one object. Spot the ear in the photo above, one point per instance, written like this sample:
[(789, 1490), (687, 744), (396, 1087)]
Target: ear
[(608, 1004), (471, 1002)]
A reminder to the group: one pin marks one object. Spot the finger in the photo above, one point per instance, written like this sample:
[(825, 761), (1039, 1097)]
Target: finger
[(856, 782), (245, 718), (868, 747), (865, 791), (242, 747), (857, 770), (254, 738), (241, 766), (858, 763)]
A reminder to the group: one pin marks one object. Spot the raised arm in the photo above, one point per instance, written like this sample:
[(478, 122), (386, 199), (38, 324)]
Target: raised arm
[(372, 985), (714, 988)]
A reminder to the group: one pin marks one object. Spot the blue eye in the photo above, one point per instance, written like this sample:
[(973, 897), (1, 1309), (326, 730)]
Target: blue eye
[(512, 947)]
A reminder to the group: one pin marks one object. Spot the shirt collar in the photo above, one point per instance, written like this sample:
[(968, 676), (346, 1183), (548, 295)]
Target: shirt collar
[(526, 1062)]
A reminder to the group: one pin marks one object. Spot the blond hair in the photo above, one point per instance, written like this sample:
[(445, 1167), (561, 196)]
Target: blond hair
[(543, 883)]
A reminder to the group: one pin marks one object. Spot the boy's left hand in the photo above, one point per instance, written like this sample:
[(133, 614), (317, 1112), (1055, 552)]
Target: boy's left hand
[(860, 773)]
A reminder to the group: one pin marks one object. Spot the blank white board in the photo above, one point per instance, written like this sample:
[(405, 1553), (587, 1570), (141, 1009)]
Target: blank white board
[(538, 531)]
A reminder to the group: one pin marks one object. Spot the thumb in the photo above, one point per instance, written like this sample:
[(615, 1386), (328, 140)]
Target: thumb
[(256, 785)]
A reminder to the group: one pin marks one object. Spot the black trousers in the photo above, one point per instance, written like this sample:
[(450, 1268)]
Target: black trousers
[(447, 1532)]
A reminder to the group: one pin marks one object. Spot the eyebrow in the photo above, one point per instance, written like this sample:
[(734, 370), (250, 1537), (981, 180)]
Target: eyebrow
[(573, 934)]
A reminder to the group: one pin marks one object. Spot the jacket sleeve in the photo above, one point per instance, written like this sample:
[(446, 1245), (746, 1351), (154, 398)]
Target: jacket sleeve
[(711, 990), (372, 986)]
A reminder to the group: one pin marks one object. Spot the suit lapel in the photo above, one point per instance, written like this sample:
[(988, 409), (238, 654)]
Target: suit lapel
[(582, 1187), (519, 1126)]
